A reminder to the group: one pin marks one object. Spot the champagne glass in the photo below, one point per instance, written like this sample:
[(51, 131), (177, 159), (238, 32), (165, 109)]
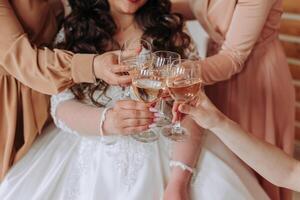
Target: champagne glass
[(162, 60), (134, 50), (135, 63), (184, 85), (147, 88)]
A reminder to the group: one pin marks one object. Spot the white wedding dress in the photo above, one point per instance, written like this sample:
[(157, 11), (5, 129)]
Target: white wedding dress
[(66, 165)]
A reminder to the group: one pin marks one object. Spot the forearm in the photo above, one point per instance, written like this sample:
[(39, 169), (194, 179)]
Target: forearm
[(237, 40), (80, 117), (269, 161), (42, 69), (219, 67), (187, 151)]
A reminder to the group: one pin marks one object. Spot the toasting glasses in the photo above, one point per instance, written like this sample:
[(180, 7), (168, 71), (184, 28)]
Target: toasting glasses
[(162, 61), (184, 85)]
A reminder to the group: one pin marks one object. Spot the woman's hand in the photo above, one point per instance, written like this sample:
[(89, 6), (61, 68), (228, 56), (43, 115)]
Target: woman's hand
[(129, 117), (204, 113), (107, 68)]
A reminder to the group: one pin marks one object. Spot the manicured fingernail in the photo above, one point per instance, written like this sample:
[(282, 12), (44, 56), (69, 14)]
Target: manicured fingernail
[(153, 125), (157, 114), (153, 110)]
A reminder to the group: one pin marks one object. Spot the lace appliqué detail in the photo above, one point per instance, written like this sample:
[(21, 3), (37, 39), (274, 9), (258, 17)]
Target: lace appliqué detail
[(127, 154), (129, 158), (55, 101), (83, 153), (80, 172)]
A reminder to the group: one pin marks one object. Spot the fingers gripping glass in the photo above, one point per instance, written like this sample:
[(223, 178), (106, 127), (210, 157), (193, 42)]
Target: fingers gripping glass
[(147, 88), (184, 85)]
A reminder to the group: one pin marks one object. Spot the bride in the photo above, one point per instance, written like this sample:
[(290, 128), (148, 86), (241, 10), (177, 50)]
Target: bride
[(72, 161)]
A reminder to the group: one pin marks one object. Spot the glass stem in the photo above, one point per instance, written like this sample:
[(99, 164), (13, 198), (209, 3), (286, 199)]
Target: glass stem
[(177, 127), (126, 93), (161, 106)]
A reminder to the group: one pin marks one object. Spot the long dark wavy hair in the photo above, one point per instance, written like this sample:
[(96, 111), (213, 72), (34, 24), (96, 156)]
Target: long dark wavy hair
[(90, 28)]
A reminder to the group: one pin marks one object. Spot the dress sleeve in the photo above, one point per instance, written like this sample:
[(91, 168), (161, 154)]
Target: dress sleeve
[(47, 71), (247, 23), (55, 101)]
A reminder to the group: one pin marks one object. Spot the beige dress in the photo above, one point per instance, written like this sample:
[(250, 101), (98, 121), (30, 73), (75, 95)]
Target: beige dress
[(26, 26), (249, 76)]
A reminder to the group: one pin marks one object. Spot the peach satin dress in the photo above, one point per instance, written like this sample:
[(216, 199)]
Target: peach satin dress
[(249, 77), (26, 26)]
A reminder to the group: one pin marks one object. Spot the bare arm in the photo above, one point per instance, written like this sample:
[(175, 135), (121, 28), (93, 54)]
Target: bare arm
[(188, 153), (268, 160)]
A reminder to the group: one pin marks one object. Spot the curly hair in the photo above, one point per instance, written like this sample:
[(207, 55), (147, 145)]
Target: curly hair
[(90, 28)]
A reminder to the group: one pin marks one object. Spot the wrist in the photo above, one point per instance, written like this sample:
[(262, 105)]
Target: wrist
[(180, 177), (96, 63), (105, 123), (177, 187), (221, 124), (219, 120)]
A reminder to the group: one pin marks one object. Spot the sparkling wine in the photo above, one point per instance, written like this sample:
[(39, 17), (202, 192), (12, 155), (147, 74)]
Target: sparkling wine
[(184, 90), (162, 74), (148, 90)]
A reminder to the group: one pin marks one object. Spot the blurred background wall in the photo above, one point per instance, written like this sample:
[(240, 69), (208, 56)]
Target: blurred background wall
[(290, 37)]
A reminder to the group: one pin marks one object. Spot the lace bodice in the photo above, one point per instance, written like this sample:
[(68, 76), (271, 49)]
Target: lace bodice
[(113, 94)]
